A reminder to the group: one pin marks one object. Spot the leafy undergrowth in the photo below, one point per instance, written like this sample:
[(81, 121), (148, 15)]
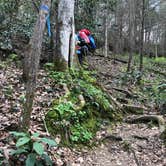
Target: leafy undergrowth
[(12, 97), (141, 143), (85, 105), (150, 91), (31, 149), (78, 115)]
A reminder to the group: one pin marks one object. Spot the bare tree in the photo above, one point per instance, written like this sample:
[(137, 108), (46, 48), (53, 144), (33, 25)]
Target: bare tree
[(106, 16), (65, 34), (142, 36), (32, 60), (131, 26)]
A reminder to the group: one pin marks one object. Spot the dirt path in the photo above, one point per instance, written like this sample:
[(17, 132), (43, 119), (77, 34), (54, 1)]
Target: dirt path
[(140, 146)]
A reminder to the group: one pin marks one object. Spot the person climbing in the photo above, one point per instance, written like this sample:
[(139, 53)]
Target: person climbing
[(85, 42)]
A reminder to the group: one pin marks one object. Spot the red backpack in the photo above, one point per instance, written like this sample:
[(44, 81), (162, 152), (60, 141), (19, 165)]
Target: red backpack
[(84, 36), (86, 31)]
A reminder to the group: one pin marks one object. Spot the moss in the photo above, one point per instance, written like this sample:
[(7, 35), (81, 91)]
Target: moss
[(78, 126), (60, 65), (3, 65), (91, 124)]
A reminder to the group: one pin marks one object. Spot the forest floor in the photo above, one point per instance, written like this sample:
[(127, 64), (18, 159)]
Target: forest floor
[(139, 144)]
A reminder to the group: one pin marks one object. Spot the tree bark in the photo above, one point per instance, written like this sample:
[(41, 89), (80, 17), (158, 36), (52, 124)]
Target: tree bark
[(32, 60), (65, 36), (106, 30), (142, 36), (131, 22)]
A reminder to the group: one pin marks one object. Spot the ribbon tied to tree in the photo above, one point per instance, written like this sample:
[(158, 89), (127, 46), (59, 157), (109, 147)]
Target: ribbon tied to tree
[(46, 8)]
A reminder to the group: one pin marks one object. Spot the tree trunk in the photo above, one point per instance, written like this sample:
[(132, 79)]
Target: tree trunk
[(142, 36), (106, 31), (106, 38), (156, 51), (32, 60), (65, 43), (131, 22)]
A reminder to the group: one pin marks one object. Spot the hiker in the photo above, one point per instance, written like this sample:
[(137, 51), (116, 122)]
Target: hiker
[(84, 43)]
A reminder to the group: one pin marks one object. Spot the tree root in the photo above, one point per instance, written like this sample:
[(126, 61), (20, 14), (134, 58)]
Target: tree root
[(110, 97), (126, 92), (135, 157), (120, 60), (157, 71), (112, 138), (81, 104), (134, 108), (149, 118), (140, 137), (163, 136)]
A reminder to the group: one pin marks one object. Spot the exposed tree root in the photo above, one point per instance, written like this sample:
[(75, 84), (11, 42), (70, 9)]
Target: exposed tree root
[(81, 104), (111, 98), (119, 60), (140, 137), (135, 157), (157, 71), (163, 136), (128, 93), (149, 118), (112, 138), (122, 100), (134, 109)]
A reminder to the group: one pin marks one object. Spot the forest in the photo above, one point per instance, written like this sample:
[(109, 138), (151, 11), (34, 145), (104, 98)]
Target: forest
[(82, 82)]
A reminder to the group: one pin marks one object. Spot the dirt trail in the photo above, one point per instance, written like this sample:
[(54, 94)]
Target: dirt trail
[(140, 146)]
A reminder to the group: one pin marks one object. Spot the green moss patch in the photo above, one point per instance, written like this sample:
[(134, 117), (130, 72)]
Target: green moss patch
[(78, 114)]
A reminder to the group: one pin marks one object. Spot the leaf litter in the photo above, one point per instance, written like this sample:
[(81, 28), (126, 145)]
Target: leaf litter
[(132, 151)]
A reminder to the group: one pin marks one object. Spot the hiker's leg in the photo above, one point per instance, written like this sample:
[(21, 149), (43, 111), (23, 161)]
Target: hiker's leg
[(80, 58)]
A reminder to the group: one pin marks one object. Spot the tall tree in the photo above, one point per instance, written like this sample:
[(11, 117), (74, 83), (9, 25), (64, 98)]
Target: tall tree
[(131, 31), (106, 17), (142, 36), (32, 59), (65, 34), (119, 21)]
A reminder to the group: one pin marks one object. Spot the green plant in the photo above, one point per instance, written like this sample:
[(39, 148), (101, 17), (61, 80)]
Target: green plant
[(78, 123), (13, 57), (160, 59), (126, 145), (3, 65), (80, 134), (49, 66), (32, 146), (8, 90)]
